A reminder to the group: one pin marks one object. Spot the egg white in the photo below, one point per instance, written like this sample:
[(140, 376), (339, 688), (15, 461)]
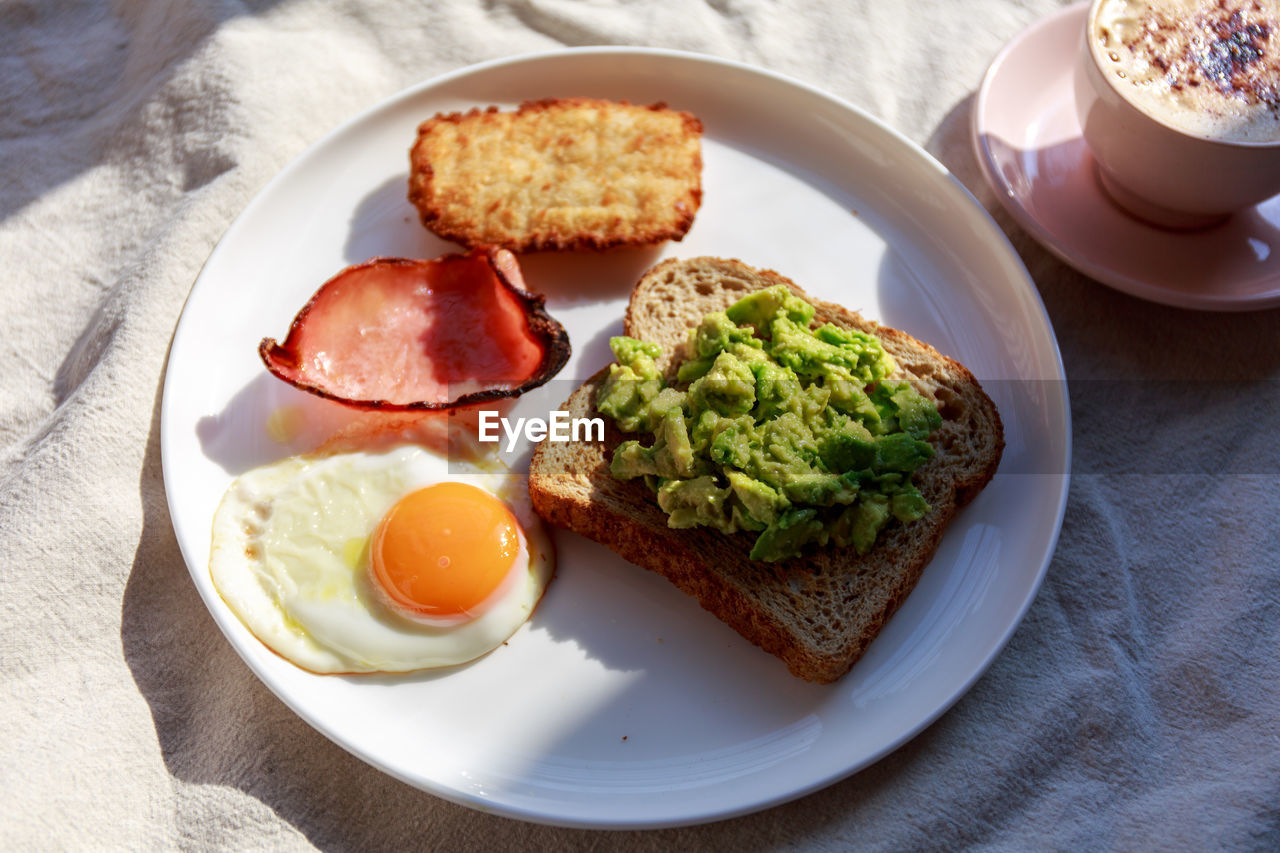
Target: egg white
[(290, 557)]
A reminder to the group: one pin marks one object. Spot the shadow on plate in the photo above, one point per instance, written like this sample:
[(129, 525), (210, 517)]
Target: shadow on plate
[(385, 224), (267, 420), (571, 278), (594, 353)]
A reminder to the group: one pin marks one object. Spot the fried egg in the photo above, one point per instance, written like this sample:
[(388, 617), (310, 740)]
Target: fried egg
[(386, 561)]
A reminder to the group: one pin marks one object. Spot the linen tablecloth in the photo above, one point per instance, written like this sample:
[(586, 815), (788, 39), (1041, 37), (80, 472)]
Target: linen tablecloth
[(1137, 706)]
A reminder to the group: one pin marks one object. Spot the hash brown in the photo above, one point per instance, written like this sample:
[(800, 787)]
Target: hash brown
[(558, 174)]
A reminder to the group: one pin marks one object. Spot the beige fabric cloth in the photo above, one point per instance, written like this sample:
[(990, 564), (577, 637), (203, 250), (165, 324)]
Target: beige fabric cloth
[(1137, 705)]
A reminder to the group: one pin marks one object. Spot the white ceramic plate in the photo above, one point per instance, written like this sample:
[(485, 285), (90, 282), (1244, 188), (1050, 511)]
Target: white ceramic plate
[(621, 703)]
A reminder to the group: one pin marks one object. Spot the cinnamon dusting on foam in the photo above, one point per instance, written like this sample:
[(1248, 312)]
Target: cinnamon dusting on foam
[(1207, 67)]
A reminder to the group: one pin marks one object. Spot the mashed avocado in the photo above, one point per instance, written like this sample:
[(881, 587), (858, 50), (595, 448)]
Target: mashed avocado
[(774, 427)]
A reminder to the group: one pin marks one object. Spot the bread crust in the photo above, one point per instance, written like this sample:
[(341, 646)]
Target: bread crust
[(558, 174), (818, 612)]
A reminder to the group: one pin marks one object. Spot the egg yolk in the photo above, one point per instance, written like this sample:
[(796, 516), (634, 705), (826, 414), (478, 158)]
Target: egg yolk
[(442, 550)]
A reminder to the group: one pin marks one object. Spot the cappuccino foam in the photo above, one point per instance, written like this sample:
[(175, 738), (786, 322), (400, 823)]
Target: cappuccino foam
[(1207, 67)]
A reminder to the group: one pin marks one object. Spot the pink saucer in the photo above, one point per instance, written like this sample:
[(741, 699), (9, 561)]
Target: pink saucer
[(1028, 143)]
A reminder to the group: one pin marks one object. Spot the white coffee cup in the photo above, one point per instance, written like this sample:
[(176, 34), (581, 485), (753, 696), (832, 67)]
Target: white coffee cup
[(1155, 170)]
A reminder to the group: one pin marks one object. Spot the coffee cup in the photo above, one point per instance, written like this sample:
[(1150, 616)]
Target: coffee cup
[(1179, 102)]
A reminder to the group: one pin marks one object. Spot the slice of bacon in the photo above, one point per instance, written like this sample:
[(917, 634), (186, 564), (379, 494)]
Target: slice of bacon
[(395, 334)]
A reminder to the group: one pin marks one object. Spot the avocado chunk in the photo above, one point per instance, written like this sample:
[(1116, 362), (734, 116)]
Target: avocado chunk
[(734, 443), (728, 388), (851, 447), (900, 452), (632, 382), (908, 504), (714, 335), (917, 415), (759, 308), (689, 503), (636, 354), (869, 516), (677, 459), (761, 501), (785, 537)]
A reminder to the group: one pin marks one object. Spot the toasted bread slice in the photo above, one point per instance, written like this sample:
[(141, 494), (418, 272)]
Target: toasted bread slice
[(564, 174), (818, 612)]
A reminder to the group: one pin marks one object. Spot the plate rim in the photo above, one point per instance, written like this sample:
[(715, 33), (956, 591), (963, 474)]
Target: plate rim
[(999, 242)]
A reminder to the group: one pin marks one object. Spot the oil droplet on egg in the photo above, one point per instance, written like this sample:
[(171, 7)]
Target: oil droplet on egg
[(285, 424)]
